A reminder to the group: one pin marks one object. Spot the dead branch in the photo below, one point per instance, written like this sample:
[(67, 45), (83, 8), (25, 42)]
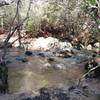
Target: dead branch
[(92, 69), (15, 28)]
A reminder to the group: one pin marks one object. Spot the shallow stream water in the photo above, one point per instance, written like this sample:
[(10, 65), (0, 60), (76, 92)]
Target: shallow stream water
[(33, 75), (38, 72)]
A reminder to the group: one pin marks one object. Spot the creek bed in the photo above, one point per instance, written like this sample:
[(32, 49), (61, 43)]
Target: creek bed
[(33, 75)]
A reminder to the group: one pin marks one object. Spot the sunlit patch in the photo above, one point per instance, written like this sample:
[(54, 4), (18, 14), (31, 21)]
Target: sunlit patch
[(99, 26)]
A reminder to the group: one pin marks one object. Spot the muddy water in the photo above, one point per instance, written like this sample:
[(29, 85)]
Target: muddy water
[(33, 75), (28, 78)]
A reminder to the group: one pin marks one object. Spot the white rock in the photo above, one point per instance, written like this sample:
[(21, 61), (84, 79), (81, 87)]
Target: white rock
[(42, 43), (51, 43), (89, 47), (45, 43), (59, 66), (46, 65), (97, 44), (65, 46)]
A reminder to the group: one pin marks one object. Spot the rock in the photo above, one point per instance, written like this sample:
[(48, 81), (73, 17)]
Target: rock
[(41, 54), (71, 88), (22, 59), (58, 55), (40, 43), (89, 47), (65, 46), (27, 98), (99, 26), (52, 94), (50, 44), (23, 96), (47, 65), (8, 62), (51, 59), (28, 53), (59, 66), (65, 54), (97, 45), (45, 54), (45, 43)]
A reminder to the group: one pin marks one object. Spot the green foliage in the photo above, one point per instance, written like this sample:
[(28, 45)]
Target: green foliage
[(53, 13), (31, 27), (93, 2)]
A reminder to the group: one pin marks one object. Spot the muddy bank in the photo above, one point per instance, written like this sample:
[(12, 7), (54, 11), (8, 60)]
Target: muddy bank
[(72, 93)]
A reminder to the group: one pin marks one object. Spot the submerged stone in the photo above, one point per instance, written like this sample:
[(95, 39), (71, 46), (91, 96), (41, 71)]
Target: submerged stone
[(51, 59), (41, 54), (59, 66), (28, 53), (22, 59)]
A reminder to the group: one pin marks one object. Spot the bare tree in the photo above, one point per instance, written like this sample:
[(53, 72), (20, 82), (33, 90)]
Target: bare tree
[(15, 28)]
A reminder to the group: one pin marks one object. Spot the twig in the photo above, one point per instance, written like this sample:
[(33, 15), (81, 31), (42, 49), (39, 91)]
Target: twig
[(92, 69)]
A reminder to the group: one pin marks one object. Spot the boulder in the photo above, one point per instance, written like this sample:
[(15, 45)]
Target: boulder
[(50, 44), (28, 53), (45, 43)]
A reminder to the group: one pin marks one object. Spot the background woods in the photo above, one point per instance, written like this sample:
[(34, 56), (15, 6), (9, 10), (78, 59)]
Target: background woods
[(75, 17)]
